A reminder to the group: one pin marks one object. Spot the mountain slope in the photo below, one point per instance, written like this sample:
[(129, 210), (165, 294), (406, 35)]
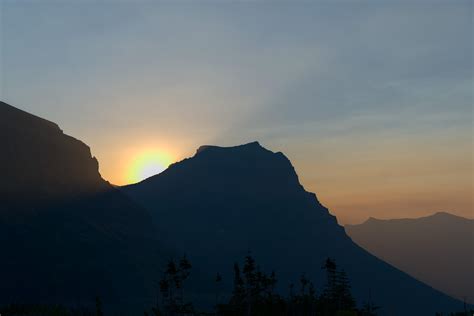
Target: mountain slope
[(40, 162), (66, 235), (437, 249), (223, 202)]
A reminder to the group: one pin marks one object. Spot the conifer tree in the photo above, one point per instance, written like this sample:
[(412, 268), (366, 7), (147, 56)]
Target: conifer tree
[(218, 281), (330, 290), (98, 307), (345, 299)]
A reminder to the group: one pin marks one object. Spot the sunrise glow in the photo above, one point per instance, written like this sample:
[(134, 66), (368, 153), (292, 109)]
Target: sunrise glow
[(146, 164)]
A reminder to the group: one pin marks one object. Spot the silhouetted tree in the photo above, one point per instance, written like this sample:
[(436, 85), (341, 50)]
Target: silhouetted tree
[(98, 307), (218, 281), (343, 289), (172, 288), (239, 287), (253, 295), (328, 298), (369, 309)]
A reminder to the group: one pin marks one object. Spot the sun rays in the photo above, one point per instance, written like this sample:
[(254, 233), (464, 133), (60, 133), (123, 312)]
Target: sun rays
[(147, 163)]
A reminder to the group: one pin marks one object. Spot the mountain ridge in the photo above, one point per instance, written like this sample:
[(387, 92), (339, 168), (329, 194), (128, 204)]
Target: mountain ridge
[(439, 214), (68, 233), (40, 158), (436, 249), (215, 206), (242, 198)]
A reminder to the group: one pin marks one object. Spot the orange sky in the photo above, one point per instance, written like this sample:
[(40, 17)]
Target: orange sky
[(393, 179)]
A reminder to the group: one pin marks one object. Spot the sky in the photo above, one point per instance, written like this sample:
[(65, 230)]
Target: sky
[(372, 101)]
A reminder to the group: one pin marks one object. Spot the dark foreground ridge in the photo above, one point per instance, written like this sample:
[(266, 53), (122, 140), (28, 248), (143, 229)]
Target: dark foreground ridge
[(225, 201), (66, 235)]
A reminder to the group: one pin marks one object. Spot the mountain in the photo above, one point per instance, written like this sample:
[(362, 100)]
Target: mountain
[(438, 249), (66, 235), (223, 202)]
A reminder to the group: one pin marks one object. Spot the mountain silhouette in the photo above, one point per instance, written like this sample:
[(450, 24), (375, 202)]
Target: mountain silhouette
[(40, 163), (437, 249), (224, 202), (66, 235)]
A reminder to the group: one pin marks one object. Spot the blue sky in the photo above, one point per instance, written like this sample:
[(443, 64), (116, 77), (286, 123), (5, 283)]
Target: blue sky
[(371, 100)]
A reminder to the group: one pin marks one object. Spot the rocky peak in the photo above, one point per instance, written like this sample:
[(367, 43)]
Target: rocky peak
[(39, 161)]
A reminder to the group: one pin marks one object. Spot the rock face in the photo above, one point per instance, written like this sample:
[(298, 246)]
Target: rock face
[(223, 202), (66, 235), (40, 163), (438, 249)]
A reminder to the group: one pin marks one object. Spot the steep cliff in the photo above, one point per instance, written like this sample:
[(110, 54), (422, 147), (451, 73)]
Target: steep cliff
[(66, 235)]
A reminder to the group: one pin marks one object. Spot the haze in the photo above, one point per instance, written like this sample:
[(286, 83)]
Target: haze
[(371, 101)]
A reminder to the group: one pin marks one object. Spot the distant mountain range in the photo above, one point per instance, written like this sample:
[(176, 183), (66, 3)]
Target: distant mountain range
[(438, 249), (66, 235)]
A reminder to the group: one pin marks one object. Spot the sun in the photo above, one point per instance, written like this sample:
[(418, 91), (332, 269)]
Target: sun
[(146, 164)]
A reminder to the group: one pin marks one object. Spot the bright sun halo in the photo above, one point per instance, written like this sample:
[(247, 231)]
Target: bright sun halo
[(147, 164)]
